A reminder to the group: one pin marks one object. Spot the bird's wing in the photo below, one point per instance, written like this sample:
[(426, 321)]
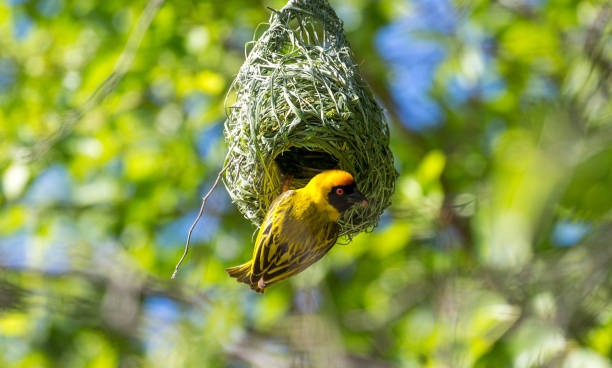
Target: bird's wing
[(286, 245), (266, 242), (295, 256)]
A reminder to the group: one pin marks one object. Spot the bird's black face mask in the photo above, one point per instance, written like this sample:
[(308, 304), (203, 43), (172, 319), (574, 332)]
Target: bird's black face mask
[(342, 197)]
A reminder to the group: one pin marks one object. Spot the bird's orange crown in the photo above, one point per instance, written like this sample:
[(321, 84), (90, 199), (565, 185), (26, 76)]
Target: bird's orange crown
[(331, 178)]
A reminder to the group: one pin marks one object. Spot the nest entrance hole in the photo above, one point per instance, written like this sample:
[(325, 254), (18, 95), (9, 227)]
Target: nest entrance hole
[(304, 163)]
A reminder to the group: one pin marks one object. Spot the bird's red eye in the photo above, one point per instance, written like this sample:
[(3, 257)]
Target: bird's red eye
[(339, 191)]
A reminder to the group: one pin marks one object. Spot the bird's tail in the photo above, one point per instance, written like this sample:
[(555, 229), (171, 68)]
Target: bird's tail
[(241, 273)]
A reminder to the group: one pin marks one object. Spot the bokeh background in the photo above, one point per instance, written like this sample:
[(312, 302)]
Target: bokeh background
[(495, 252)]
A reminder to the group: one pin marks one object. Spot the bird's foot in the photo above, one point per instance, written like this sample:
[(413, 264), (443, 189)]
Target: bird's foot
[(287, 182), (261, 284)]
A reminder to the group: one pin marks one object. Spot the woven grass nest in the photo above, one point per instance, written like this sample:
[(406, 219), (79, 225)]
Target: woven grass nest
[(300, 106)]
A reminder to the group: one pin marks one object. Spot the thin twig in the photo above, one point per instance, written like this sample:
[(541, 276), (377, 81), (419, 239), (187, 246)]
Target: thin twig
[(204, 199)]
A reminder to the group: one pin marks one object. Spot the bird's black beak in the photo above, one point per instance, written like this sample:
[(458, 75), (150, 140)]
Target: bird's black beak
[(357, 197)]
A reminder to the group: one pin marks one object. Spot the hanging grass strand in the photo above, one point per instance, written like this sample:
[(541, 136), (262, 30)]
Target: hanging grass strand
[(197, 219)]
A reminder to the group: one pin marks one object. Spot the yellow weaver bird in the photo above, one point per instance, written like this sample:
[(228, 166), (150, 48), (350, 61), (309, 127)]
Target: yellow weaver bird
[(299, 228)]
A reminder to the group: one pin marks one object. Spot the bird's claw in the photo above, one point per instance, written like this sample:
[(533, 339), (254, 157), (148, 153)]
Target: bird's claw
[(261, 284)]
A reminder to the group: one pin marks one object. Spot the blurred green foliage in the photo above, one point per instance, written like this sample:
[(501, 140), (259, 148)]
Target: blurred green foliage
[(495, 252)]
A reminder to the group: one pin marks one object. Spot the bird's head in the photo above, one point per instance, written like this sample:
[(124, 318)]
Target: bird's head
[(338, 188)]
